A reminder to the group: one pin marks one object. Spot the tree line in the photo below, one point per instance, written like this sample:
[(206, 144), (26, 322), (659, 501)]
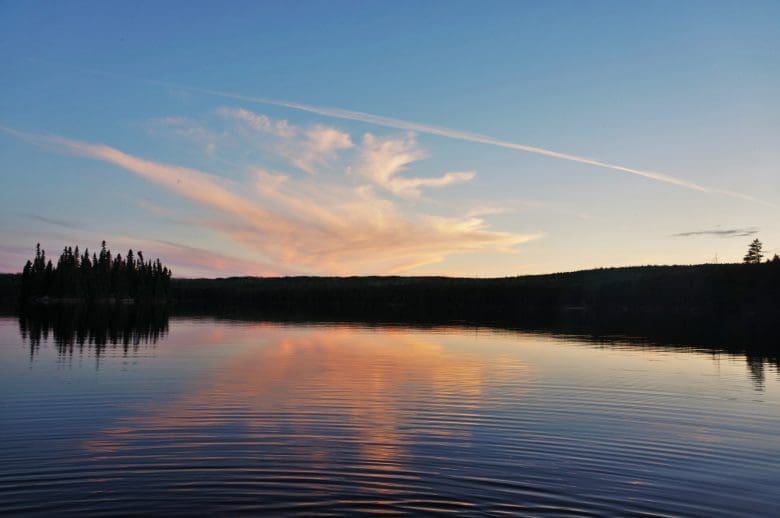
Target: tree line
[(100, 276), (712, 291)]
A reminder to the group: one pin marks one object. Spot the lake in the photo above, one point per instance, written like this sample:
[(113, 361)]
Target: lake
[(199, 415)]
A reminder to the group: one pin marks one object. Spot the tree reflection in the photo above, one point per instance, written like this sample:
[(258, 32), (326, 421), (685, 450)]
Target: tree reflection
[(756, 370), (82, 327)]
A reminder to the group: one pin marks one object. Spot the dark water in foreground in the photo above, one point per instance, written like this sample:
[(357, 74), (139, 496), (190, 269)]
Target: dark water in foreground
[(202, 416)]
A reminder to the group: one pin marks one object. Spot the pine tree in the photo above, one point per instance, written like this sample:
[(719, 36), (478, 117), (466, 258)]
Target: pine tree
[(101, 277), (754, 255)]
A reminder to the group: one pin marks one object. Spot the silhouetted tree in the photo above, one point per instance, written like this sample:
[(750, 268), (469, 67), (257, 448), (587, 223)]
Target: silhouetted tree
[(754, 255), (101, 277)]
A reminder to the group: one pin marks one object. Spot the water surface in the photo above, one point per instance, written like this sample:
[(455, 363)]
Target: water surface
[(201, 415)]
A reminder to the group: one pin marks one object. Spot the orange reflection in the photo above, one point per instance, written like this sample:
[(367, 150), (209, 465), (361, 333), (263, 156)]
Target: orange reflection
[(376, 390)]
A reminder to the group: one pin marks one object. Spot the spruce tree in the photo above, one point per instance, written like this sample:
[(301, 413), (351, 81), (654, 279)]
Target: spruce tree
[(754, 255)]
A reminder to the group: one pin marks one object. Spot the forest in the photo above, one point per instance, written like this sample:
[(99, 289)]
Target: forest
[(739, 300), (99, 277), (710, 290)]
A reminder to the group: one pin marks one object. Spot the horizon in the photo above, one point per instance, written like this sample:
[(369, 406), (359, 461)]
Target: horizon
[(351, 139), (115, 253)]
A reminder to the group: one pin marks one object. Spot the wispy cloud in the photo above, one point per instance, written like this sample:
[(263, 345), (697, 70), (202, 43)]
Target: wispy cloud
[(720, 232), (55, 221), (365, 229), (489, 210), (382, 160), (518, 205), (306, 148), (187, 260), (441, 131), (258, 122), (188, 129), (306, 224), (192, 261)]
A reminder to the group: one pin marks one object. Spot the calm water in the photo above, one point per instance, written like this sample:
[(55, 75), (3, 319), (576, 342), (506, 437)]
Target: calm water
[(198, 416)]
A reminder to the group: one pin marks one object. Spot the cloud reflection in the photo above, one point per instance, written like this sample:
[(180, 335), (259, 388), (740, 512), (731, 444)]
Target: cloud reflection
[(335, 396)]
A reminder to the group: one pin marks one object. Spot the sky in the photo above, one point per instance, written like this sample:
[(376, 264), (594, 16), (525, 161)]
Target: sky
[(477, 139)]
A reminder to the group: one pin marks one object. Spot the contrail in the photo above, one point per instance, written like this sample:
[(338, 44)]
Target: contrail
[(389, 122)]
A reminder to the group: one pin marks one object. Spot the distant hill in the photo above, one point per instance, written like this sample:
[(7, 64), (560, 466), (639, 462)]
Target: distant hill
[(698, 291)]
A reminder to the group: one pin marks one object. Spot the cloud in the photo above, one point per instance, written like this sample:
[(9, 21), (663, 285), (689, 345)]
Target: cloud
[(53, 221), (726, 232), (369, 233), (488, 210), (307, 148), (306, 225), (390, 122), (378, 120), (190, 261), (188, 129), (260, 123), (382, 160)]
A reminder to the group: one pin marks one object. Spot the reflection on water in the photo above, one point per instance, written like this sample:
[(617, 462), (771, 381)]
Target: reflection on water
[(88, 330), (78, 327), (331, 379), (757, 366), (230, 417)]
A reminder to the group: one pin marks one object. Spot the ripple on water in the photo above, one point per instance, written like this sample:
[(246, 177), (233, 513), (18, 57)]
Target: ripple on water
[(338, 420)]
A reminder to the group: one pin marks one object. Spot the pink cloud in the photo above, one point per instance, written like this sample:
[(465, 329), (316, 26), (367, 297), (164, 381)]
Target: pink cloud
[(382, 160), (306, 148), (305, 224), (190, 261)]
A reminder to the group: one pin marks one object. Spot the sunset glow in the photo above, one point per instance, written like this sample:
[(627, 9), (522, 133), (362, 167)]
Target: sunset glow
[(338, 153)]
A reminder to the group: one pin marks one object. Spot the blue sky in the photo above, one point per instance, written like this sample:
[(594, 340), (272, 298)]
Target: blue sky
[(141, 124)]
